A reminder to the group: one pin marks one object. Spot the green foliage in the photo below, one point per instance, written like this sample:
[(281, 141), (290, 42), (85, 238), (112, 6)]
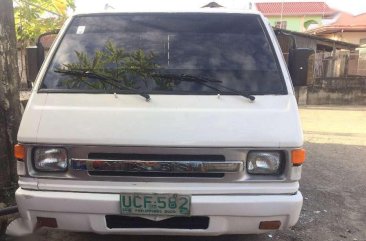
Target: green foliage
[(114, 63), (34, 17), (309, 22)]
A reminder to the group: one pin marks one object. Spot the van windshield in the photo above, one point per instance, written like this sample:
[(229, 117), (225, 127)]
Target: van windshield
[(150, 51)]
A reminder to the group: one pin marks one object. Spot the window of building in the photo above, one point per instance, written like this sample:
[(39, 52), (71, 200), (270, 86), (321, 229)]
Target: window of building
[(281, 24), (363, 41)]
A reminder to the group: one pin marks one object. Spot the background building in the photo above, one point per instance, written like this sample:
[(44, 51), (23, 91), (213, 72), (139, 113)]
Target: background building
[(347, 28), (296, 16)]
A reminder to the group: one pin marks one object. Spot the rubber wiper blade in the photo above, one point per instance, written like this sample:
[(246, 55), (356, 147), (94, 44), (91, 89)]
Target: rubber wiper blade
[(104, 79), (210, 83), (186, 77)]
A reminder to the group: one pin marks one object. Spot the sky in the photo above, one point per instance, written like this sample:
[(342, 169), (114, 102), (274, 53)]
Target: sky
[(352, 6)]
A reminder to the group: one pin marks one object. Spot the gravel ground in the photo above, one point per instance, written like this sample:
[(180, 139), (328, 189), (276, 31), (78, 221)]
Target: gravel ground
[(333, 184)]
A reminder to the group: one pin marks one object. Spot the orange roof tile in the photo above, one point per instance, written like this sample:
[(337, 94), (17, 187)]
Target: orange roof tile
[(345, 22), (346, 19), (295, 8)]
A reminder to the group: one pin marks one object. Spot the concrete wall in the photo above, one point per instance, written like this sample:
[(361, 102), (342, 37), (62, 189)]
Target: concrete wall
[(336, 91)]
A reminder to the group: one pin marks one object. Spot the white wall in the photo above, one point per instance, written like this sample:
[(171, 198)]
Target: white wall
[(350, 37)]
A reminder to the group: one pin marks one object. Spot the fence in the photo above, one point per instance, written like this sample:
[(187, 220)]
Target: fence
[(340, 79), (341, 63)]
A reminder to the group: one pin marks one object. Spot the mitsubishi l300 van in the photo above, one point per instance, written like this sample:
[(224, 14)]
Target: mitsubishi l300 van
[(169, 123)]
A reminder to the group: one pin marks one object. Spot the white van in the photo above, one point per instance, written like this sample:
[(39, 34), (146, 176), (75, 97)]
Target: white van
[(161, 123)]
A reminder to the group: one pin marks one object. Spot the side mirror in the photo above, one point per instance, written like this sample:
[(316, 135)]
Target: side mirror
[(35, 56), (301, 66), (33, 63)]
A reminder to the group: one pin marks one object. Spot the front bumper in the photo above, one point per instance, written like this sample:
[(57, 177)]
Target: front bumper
[(228, 214)]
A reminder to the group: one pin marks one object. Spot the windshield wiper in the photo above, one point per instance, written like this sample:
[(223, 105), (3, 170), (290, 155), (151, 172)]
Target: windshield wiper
[(210, 83), (104, 79)]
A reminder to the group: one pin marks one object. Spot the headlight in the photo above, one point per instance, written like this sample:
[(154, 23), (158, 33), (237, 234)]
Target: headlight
[(264, 162), (50, 159)]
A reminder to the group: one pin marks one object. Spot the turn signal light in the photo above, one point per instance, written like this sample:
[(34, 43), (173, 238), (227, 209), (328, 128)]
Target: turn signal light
[(19, 152), (298, 157)]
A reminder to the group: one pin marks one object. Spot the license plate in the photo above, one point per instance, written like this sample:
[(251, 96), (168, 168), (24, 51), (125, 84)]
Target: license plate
[(155, 204)]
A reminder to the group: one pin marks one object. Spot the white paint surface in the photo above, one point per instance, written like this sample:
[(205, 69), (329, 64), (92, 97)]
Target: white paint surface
[(168, 120)]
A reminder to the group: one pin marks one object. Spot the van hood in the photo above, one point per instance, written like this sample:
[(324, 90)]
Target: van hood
[(167, 120)]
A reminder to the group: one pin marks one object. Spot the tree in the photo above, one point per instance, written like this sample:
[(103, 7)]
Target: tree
[(309, 22), (34, 17), (9, 94), (111, 62)]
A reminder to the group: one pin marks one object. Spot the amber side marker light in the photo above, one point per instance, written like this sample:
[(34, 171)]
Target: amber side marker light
[(298, 156), (19, 152), (269, 225)]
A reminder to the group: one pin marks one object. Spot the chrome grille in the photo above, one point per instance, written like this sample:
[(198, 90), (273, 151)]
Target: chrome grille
[(115, 164)]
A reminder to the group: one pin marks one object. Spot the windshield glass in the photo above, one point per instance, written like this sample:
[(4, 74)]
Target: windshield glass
[(146, 51)]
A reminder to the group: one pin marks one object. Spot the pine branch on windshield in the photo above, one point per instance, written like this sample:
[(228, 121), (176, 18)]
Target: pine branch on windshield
[(120, 66)]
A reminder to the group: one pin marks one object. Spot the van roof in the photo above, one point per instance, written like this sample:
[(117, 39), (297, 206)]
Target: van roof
[(200, 10)]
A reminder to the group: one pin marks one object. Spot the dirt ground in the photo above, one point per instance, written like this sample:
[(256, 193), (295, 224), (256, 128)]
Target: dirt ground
[(333, 184)]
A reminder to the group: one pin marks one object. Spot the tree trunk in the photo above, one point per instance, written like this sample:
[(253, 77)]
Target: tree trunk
[(9, 94)]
